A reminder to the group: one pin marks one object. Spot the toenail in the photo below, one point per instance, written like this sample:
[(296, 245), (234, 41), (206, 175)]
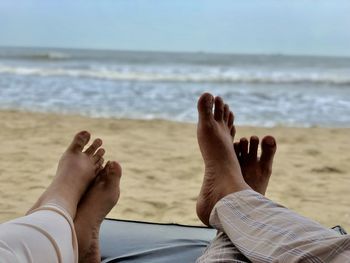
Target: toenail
[(84, 135), (270, 141), (113, 166)]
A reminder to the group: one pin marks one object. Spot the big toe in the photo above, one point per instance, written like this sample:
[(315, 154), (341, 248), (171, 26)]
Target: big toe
[(268, 150), (114, 173), (79, 141), (205, 106)]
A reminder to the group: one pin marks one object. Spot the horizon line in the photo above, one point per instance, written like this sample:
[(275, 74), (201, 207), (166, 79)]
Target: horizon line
[(180, 52)]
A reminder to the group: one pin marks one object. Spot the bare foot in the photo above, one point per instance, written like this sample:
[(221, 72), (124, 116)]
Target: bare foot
[(100, 198), (76, 169), (256, 171), (222, 174)]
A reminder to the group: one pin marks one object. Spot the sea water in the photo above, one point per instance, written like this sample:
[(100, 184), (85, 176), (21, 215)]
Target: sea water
[(262, 90)]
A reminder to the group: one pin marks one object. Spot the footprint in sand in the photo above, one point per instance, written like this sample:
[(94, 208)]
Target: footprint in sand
[(327, 169)]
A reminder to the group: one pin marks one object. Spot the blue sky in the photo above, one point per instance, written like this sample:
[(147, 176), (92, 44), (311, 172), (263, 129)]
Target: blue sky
[(312, 27)]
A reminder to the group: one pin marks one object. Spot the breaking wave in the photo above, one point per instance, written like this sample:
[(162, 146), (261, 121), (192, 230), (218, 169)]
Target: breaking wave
[(194, 75)]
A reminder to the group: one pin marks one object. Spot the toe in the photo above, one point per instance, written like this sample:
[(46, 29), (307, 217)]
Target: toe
[(244, 148), (231, 118), (219, 109), (253, 148), (99, 163), (114, 172), (79, 141), (102, 172), (205, 106), (93, 147), (226, 113), (233, 132), (237, 149), (268, 149), (98, 155)]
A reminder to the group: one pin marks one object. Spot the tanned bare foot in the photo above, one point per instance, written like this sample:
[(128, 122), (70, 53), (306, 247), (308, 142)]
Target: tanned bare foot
[(76, 169), (101, 197), (256, 171), (222, 174)]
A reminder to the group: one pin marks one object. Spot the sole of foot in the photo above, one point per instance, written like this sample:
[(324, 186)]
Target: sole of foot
[(222, 175)]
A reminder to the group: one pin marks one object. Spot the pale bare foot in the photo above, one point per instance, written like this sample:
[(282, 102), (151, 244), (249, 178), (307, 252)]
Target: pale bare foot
[(76, 169), (100, 198), (256, 171), (222, 174)]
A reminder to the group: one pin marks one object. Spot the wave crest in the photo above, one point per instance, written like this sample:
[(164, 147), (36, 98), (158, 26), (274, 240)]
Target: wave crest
[(193, 75)]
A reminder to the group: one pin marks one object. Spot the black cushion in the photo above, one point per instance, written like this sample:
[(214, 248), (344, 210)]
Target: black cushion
[(132, 241)]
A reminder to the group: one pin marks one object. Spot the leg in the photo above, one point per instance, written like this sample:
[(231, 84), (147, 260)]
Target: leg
[(267, 232), (47, 233), (221, 250), (262, 230)]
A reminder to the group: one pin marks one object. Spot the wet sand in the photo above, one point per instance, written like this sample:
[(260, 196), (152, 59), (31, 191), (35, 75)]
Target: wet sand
[(162, 167)]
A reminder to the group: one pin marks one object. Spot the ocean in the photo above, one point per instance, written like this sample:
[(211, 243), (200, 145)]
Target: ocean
[(262, 90)]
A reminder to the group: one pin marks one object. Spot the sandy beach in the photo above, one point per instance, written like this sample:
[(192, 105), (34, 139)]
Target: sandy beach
[(162, 167)]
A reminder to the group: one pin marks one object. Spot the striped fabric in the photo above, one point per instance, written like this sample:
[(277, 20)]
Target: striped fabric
[(252, 228), (222, 250)]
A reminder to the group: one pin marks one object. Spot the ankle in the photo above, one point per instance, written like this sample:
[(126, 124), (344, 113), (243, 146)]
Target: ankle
[(235, 186)]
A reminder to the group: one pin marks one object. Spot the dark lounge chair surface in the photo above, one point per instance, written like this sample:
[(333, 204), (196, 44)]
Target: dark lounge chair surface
[(132, 241)]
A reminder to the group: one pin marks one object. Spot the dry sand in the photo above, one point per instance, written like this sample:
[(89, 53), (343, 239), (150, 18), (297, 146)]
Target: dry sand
[(162, 167)]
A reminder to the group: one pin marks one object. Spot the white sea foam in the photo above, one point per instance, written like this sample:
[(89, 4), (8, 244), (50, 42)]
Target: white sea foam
[(262, 90), (195, 75)]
